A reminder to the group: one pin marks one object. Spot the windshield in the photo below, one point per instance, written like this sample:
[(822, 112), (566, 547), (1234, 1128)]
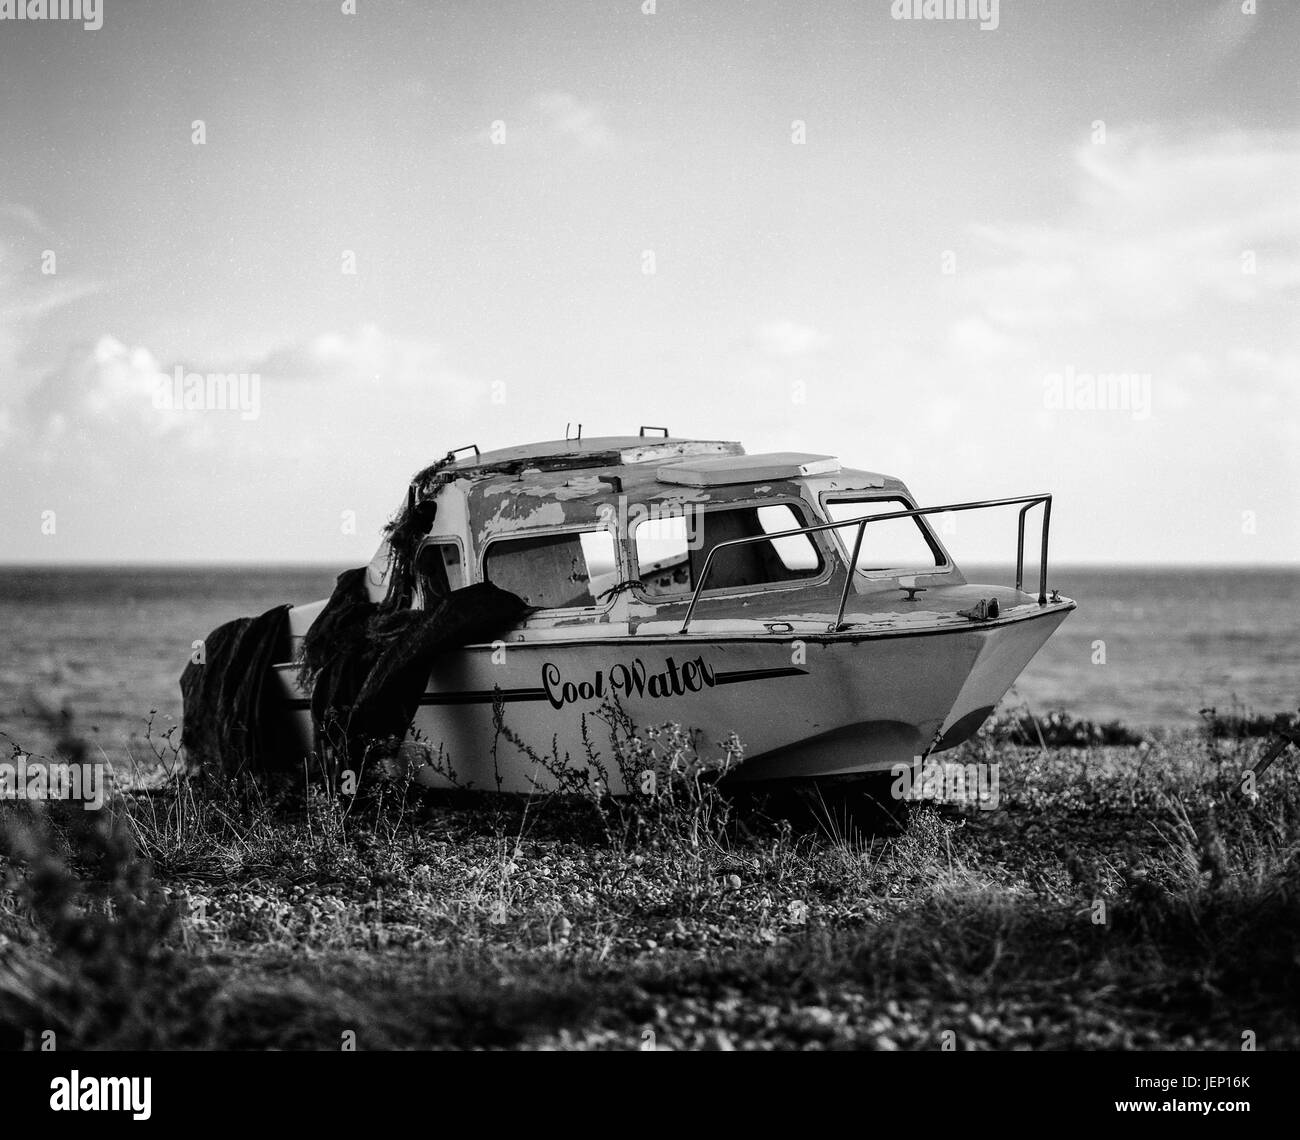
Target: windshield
[(889, 547), (671, 556)]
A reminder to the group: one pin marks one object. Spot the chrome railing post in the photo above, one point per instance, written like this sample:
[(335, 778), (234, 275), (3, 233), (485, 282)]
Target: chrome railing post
[(848, 578), (1042, 562), (1020, 547), (699, 586)]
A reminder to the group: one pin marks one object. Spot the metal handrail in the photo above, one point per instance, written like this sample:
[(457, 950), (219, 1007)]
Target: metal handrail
[(1029, 502)]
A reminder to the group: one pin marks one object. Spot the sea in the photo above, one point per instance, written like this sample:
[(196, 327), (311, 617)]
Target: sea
[(98, 651)]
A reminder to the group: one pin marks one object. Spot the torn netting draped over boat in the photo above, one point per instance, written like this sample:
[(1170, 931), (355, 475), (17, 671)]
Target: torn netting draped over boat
[(365, 663), (367, 668), (224, 696), (411, 523)]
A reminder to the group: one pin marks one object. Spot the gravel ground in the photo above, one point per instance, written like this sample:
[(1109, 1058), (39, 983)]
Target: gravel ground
[(1119, 897)]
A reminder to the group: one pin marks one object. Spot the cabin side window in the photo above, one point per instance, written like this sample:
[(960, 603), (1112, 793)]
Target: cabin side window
[(889, 546), (438, 571), (671, 551), (555, 571)]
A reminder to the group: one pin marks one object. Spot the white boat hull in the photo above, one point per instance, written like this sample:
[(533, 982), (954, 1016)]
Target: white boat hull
[(804, 705)]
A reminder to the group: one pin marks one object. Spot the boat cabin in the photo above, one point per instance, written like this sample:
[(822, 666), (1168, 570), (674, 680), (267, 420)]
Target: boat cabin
[(623, 530)]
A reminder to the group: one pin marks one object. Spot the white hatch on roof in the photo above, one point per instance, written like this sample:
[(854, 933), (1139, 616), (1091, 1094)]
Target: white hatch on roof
[(719, 471)]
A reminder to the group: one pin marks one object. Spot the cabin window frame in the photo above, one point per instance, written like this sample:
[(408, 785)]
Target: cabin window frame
[(524, 535), (440, 540), (802, 509), (844, 540)]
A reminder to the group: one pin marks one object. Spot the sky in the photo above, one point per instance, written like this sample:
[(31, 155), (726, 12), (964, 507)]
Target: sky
[(1059, 254)]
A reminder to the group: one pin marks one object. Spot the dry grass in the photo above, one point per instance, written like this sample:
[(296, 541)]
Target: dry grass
[(226, 917)]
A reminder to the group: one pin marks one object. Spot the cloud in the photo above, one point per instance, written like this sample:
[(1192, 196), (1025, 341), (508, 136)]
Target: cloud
[(363, 356), (23, 217), (36, 303), (1157, 227), (549, 123), (340, 428), (104, 397), (1216, 35), (101, 400), (974, 338), (1145, 269), (789, 339), (569, 118), (26, 297)]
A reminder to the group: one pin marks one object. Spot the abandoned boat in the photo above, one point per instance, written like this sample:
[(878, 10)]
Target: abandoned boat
[(810, 608)]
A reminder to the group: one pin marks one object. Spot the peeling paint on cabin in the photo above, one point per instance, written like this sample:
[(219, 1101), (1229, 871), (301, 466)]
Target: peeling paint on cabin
[(682, 498), (582, 620), (579, 488), (658, 451), (860, 481), (512, 515)]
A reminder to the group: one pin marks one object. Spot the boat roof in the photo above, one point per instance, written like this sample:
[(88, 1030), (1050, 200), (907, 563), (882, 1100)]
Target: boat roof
[(567, 482), (575, 481), (595, 451), (667, 464)]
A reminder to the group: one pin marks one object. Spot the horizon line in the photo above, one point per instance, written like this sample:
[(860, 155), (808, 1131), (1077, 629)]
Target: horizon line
[(321, 564)]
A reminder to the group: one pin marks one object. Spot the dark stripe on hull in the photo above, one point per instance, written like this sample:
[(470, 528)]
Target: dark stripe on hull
[(509, 696), (740, 675)]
